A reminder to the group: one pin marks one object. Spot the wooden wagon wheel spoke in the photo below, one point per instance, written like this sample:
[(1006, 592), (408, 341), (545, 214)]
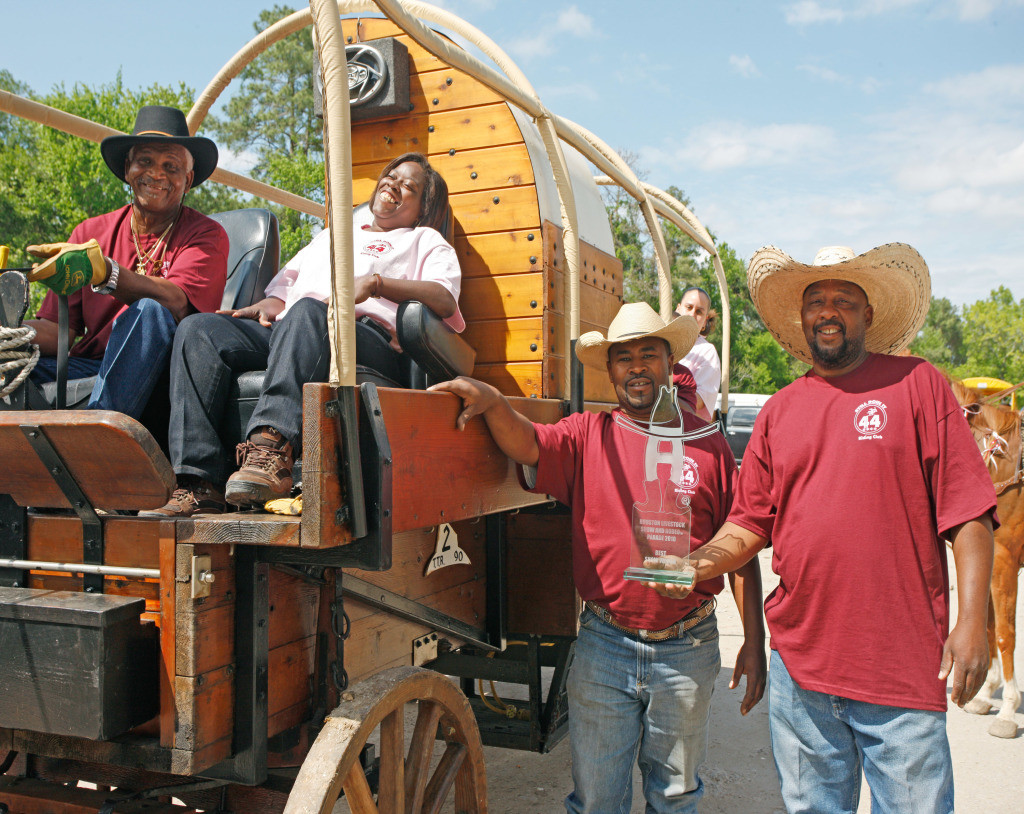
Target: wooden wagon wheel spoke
[(410, 780)]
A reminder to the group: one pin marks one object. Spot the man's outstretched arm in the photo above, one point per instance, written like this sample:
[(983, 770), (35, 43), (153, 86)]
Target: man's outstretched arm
[(730, 548), (511, 431)]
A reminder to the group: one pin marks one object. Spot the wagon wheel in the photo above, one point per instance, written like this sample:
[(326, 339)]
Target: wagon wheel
[(407, 784)]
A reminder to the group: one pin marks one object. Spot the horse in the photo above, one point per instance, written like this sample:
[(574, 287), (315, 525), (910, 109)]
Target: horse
[(997, 431)]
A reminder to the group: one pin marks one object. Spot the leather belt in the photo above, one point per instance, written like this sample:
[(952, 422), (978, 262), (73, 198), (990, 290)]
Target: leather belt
[(694, 617)]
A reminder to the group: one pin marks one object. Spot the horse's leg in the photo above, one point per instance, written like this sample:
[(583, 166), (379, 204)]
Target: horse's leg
[(1004, 598), (982, 703)]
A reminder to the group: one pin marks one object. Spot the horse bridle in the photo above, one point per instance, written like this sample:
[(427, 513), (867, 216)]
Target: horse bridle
[(995, 444)]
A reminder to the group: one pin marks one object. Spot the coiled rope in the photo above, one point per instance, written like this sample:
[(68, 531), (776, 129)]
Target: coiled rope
[(14, 355)]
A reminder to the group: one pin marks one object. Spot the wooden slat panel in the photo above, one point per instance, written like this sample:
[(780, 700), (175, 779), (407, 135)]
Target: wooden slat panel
[(126, 541), (469, 129), (294, 603), (132, 472), (168, 657), (513, 340), (240, 529), (205, 708), (321, 482), (380, 638), (515, 379), (510, 252), (495, 168), (540, 600), (504, 296), (468, 475), (290, 667), (464, 91), (411, 553), (515, 209), (597, 306)]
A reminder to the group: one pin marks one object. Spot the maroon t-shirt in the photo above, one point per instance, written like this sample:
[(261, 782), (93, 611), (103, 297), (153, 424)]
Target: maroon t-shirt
[(686, 385), (596, 467), (196, 261), (854, 479)]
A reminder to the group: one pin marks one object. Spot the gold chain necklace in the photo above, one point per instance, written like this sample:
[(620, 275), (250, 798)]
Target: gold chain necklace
[(148, 260)]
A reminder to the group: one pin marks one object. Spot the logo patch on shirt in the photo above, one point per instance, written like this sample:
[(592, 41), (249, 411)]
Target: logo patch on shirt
[(869, 420), (690, 478), (377, 248)]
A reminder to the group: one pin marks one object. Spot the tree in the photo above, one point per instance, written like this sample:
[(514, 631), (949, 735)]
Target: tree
[(941, 340), (993, 333), (272, 118)]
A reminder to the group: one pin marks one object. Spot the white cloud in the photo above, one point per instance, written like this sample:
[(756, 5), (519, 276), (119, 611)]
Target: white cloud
[(808, 12), (824, 74), (569, 21), (574, 21), (578, 90), (997, 83), (727, 145), (744, 66), (812, 12), (981, 9)]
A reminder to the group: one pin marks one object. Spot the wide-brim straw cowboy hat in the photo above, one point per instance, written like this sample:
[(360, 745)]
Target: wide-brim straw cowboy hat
[(636, 320), (157, 124), (894, 277)]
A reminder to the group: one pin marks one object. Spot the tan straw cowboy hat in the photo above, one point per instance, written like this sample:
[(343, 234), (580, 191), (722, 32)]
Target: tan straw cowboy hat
[(634, 321), (894, 276)]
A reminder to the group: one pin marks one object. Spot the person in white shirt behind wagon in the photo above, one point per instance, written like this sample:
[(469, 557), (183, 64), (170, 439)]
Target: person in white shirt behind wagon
[(702, 360)]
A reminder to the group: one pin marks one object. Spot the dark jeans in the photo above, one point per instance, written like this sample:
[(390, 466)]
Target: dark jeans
[(133, 363), (210, 349)]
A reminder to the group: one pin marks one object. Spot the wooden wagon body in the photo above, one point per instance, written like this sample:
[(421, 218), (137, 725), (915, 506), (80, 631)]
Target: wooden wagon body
[(246, 630)]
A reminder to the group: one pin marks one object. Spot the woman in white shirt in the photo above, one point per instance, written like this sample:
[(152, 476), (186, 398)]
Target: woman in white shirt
[(702, 360), (399, 255)]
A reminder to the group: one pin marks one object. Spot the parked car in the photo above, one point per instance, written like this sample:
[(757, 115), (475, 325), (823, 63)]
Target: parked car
[(739, 421)]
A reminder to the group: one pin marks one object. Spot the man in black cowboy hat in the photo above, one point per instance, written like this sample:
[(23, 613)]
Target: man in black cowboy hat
[(859, 472), (151, 264)]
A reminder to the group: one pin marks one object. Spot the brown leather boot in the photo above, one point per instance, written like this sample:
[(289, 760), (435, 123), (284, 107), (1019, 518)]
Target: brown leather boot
[(265, 472), (193, 496)]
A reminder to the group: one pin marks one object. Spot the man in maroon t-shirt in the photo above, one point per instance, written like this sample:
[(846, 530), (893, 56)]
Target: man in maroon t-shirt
[(858, 472), (645, 665), (164, 261)]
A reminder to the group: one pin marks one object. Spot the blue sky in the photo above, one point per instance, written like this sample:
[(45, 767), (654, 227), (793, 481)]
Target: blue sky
[(802, 123)]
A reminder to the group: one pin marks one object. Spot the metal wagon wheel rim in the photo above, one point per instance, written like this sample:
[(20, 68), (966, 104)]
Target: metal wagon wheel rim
[(408, 784)]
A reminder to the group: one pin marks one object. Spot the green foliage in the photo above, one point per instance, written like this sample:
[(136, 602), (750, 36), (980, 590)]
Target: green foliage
[(993, 332), (941, 340), (50, 180), (271, 118)]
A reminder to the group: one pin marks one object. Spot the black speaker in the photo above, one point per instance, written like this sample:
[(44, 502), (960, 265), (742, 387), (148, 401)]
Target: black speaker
[(378, 80)]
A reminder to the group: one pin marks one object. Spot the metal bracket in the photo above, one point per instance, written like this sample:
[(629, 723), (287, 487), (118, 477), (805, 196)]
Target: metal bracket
[(202, 575), (424, 649), (92, 526)]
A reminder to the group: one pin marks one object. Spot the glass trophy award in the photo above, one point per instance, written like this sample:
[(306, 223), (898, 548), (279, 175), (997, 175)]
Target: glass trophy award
[(660, 544)]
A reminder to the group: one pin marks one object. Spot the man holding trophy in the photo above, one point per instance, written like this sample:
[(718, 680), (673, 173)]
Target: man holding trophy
[(645, 483)]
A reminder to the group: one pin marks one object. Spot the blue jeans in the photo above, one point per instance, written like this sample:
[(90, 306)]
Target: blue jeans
[(78, 368), (137, 354), (631, 700), (822, 742)]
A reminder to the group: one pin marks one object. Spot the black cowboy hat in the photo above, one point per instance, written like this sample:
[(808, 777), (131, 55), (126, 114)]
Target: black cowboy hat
[(157, 124)]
